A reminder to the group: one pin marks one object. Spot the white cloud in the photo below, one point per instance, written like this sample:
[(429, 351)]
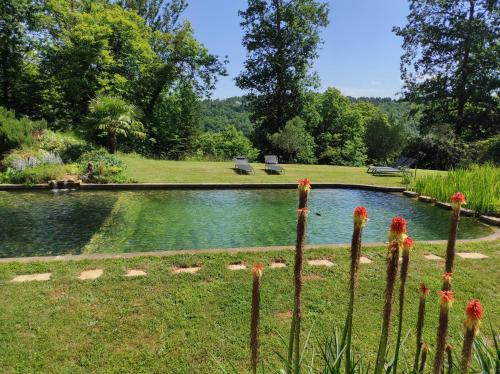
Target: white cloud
[(375, 83)]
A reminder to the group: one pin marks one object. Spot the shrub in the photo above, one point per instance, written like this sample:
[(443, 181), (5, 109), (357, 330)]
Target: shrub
[(15, 132), (488, 150), (225, 145), (107, 168), (21, 159), (67, 145), (40, 174)]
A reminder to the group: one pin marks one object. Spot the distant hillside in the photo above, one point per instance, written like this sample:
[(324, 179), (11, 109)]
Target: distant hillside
[(217, 114)]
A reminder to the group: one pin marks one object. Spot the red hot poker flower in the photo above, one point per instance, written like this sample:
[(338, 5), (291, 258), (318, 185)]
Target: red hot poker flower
[(423, 290), (446, 298), (398, 229), (303, 211), (447, 277), (304, 185), (457, 200), (473, 315), (408, 243), (257, 270), (360, 215)]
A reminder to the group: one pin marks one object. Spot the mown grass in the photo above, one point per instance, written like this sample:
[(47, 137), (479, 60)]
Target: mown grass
[(155, 171), (480, 184), (175, 323)]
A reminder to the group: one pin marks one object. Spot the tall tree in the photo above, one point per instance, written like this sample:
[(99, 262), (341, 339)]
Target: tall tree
[(450, 64), (282, 38)]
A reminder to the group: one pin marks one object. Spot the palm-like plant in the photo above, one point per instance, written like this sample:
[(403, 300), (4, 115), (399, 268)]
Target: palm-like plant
[(114, 117)]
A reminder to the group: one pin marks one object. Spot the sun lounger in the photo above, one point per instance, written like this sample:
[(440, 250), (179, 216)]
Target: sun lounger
[(242, 165), (272, 165), (403, 168), (394, 165)]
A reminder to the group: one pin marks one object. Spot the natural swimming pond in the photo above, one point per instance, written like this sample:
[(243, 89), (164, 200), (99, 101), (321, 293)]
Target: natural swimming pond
[(53, 223)]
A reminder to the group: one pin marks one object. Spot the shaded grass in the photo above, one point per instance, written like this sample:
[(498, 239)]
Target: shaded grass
[(480, 184), (168, 322), (155, 171)]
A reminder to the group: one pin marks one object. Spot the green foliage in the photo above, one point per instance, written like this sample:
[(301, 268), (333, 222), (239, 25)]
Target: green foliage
[(24, 158), (225, 145), (17, 132), (113, 117), (450, 64), (221, 113), (67, 145), (40, 174), (488, 150), (294, 143), (479, 183), (282, 40), (106, 167)]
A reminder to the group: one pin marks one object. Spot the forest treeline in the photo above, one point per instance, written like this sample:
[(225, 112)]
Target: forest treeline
[(130, 75)]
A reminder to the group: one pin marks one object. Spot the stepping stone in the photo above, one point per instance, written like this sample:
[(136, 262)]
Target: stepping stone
[(410, 193), (32, 277), (278, 264), (433, 257), (320, 262), (471, 255), (191, 270), (237, 266), (90, 274), (365, 260), (426, 199), (135, 273)]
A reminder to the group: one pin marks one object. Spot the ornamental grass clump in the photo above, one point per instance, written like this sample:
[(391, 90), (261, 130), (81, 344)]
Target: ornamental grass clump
[(255, 316), (397, 235), (423, 292), (407, 246), (457, 200), (294, 342), (360, 217), (473, 316)]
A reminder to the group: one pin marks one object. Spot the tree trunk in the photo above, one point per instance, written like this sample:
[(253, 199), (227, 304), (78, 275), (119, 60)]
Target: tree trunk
[(112, 143), (463, 73)]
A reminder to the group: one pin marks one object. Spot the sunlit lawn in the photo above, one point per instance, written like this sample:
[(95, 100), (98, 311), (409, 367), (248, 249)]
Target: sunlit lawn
[(156, 171), (173, 323)]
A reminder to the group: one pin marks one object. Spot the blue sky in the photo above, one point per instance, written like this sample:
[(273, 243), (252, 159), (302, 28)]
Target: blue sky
[(360, 54)]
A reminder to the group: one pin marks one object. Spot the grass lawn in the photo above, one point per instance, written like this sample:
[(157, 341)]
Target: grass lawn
[(148, 170), (173, 323)]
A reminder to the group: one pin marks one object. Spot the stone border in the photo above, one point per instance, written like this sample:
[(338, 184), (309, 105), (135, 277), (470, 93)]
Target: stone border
[(201, 186), (111, 256)]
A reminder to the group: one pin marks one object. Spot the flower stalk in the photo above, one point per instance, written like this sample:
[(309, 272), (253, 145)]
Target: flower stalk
[(423, 291), (423, 361), (473, 316), (397, 235), (360, 218), (445, 302), (294, 342), (407, 246), (255, 316)]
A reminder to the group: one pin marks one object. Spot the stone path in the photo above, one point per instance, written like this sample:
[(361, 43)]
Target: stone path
[(97, 273), (90, 274)]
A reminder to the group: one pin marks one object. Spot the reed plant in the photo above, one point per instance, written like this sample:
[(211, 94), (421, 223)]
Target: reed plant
[(480, 183)]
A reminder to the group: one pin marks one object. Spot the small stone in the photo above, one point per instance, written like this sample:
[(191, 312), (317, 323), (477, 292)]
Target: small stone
[(32, 277), (90, 274), (320, 262), (433, 257), (135, 273), (237, 266), (365, 260), (278, 264), (471, 255), (191, 270)]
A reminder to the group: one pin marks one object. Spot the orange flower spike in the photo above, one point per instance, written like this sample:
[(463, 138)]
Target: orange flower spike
[(473, 315), (398, 229), (423, 291), (447, 277), (304, 185), (446, 299), (457, 200), (303, 211), (257, 270), (360, 216)]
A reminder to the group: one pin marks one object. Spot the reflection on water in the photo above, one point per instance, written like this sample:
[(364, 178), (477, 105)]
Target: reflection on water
[(42, 223)]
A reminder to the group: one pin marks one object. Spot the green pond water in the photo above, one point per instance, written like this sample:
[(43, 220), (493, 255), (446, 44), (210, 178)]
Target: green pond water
[(54, 223)]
